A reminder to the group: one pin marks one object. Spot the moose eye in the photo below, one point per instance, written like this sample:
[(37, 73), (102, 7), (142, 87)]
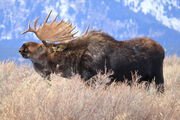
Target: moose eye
[(26, 50)]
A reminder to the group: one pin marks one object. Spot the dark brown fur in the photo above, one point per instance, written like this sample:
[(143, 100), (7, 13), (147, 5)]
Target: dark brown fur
[(97, 50)]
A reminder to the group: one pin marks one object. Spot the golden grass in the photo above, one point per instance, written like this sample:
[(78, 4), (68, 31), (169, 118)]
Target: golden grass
[(24, 95)]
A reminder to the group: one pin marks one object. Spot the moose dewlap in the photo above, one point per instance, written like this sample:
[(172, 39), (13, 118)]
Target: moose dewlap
[(91, 52)]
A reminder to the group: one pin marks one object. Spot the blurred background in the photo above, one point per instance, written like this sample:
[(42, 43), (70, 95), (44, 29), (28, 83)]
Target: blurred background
[(123, 19)]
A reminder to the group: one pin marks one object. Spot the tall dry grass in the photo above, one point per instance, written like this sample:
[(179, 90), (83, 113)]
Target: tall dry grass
[(24, 95)]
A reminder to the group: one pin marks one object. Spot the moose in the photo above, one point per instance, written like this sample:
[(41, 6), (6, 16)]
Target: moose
[(62, 52)]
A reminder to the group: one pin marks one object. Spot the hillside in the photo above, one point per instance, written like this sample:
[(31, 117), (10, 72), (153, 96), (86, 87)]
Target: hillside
[(24, 95)]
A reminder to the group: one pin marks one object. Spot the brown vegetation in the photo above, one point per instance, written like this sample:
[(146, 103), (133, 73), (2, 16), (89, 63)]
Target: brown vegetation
[(24, 95)]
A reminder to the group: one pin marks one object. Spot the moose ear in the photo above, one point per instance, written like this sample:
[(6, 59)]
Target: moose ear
[(40, 48), (59, 48)]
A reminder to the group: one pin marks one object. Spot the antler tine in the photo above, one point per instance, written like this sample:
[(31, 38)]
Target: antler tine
[(29, 29), (87, 29), (60, 22), (35, 22), (47, 17), (72, 29), (40, 25), (74, 33), (67, 31), (69, 25), (55, 18), (70, 35)]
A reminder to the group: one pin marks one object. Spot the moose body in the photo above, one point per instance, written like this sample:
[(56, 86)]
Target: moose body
[(91, 52), (98, 51)]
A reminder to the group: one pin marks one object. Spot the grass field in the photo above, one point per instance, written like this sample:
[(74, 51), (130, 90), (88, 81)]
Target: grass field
[(24, 95)]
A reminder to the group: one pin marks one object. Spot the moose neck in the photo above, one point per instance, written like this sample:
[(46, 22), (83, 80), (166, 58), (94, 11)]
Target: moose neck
[(42, 59)]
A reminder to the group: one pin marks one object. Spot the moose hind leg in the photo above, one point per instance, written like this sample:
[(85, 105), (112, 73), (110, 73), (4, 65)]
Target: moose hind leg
[(159, 79)]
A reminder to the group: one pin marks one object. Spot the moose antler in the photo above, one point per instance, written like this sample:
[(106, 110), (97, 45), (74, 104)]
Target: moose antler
[(87, 30), (54, 32)]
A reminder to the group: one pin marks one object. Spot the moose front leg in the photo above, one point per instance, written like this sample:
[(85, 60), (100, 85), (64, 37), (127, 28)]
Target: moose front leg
[(42, 71)]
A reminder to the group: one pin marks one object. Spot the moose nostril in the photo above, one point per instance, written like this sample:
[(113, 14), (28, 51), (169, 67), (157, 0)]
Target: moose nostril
[(20, 50)]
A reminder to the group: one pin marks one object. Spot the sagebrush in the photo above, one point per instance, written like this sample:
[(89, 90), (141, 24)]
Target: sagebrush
[(24, 95)]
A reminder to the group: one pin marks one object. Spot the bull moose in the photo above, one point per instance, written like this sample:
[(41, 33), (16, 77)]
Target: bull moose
[(91, 52)]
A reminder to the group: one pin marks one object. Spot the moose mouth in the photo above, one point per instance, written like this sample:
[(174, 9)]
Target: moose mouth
[(24, 55)]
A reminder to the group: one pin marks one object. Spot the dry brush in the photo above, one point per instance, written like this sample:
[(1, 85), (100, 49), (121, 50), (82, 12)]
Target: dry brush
[(24, 95)]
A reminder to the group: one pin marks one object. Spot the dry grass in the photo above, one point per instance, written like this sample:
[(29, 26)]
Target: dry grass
[(24, 95)]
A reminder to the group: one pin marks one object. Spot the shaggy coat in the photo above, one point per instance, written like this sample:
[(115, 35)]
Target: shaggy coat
[(98, 51)]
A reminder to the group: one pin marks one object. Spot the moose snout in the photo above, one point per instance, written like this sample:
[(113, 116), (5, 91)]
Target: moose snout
[(21, 50)]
